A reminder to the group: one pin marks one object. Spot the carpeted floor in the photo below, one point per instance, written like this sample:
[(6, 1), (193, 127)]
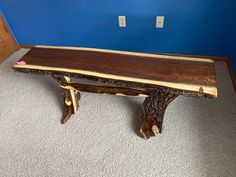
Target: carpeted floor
[(199, 137)]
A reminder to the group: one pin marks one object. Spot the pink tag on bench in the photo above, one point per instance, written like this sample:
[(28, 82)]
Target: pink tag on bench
[(21, 62)]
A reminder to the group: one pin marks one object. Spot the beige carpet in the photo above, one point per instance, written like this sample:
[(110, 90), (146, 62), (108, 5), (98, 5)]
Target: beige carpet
[(199, 136)]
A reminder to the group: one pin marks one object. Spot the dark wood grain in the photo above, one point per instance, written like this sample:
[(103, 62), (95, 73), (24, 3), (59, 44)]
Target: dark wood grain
[(178, 71), (154, 108), (64, 65)]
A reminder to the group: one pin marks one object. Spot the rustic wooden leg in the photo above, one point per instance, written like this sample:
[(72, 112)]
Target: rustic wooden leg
[(154, 108), (67, 107), (71, 98)]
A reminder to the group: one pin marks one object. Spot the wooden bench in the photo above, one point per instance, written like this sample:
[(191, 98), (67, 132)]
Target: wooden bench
[(159, 78)]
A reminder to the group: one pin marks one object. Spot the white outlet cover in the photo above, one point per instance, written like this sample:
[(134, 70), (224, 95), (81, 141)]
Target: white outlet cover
[(122, 21), (160, 21)]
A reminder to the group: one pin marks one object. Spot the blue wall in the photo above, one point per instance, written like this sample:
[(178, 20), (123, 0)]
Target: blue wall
[(203, 27)]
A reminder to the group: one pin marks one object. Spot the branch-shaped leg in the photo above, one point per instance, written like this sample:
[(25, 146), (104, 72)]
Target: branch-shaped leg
[(71, 98), (154, 108)]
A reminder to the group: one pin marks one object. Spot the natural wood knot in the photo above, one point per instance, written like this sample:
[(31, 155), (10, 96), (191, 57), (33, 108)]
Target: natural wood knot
[(68, 102), (149, 127), (155, 129), (201, 90), (68, 79)]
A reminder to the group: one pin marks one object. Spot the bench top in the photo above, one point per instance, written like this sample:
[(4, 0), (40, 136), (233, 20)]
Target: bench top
[(179, 72)]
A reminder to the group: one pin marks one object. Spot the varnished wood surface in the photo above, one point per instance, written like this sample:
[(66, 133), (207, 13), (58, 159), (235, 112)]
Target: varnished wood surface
[(177, 71)]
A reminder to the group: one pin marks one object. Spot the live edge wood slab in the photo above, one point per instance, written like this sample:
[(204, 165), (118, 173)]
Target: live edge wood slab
[(160, 78)]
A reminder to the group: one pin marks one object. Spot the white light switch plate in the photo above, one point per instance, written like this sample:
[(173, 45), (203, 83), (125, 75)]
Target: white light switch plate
[(160, 21), (122, 21)]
